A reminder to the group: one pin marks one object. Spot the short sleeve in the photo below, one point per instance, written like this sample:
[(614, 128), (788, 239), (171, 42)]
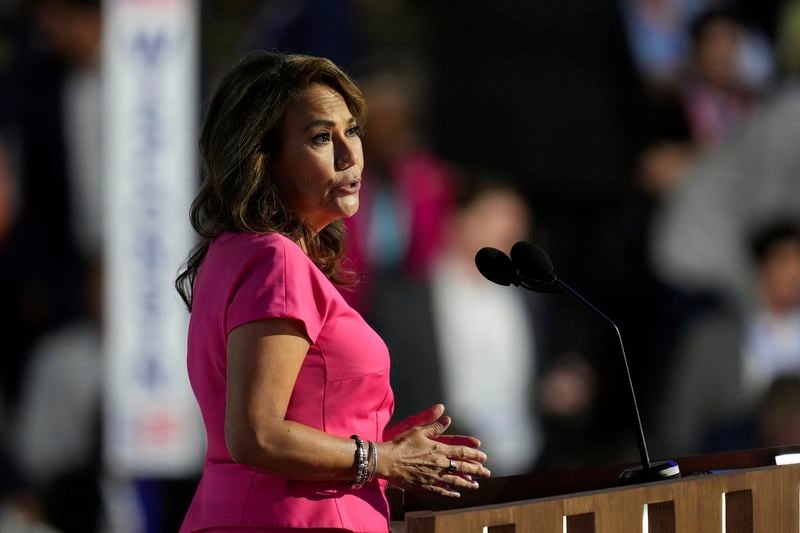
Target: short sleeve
[(278, 282)]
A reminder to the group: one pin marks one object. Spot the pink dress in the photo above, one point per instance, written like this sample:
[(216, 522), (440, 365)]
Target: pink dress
[(342, 388)]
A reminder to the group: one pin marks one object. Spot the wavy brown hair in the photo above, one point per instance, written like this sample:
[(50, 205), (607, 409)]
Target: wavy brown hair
[(241, 128)]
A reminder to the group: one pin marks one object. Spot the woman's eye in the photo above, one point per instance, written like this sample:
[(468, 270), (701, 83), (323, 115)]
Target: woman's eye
[(355, 131), (322, 138)]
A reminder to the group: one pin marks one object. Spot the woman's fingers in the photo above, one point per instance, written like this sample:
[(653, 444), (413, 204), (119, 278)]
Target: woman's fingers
[(459, 482), (449, 482), (437, 427), (466, 469), (426, 416), (458, 440), (464, 453), (442, 491)]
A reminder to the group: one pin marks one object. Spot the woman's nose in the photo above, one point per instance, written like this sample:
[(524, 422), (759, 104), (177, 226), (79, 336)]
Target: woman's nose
[(345, 154)]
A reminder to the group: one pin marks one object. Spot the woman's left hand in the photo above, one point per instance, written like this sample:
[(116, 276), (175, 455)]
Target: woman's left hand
[(428, 416), (421, 456)]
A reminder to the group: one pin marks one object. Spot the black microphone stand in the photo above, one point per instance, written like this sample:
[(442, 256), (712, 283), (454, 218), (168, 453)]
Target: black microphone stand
[(647, 471)]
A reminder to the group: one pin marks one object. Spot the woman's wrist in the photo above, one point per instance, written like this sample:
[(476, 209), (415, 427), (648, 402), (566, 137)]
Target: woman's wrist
[(372, 461), (385, 456), (361, 460)]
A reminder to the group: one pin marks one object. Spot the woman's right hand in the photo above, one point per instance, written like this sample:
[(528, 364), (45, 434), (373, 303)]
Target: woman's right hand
[(418, 458)]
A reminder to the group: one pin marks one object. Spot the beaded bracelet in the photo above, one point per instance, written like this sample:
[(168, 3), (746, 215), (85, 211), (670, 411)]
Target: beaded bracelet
[(361, 463)]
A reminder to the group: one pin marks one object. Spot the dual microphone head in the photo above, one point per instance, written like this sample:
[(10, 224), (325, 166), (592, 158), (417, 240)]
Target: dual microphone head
[(529, 267)]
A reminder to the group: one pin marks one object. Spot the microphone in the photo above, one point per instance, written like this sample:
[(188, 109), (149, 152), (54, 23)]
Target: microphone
[(534, 267), (497, 267)]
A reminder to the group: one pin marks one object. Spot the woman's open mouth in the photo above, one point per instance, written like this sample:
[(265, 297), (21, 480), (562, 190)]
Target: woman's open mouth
[(350, 186)]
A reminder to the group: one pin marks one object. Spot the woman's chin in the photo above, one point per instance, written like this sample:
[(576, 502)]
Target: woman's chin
[(348, 205), (341, 210)]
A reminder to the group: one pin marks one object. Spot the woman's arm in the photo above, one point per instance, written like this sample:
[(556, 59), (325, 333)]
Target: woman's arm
[(264, 359)]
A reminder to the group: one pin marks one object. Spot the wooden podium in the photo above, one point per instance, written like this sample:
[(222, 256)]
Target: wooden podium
[(735, 492)]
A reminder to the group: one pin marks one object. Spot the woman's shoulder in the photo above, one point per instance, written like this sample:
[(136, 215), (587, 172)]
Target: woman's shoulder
[(251, 248), (231, 242)]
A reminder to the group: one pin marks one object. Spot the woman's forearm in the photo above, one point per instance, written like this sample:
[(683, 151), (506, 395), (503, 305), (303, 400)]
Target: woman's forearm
[(295, 451)]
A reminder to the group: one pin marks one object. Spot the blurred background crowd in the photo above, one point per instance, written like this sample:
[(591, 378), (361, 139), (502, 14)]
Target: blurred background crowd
[(651, 146)]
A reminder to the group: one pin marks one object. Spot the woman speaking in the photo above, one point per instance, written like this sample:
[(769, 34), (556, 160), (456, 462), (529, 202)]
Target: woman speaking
[(292, 384)]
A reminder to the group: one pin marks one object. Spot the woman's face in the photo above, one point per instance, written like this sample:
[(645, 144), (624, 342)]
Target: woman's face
[(318, 165)]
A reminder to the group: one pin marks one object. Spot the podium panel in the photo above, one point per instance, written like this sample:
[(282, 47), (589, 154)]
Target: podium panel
[(764, 499)]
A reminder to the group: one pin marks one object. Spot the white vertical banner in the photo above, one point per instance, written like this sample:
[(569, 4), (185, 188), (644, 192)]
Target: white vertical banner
[(150, 76)]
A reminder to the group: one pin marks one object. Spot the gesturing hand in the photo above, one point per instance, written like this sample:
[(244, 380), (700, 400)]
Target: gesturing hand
[(420, 457)]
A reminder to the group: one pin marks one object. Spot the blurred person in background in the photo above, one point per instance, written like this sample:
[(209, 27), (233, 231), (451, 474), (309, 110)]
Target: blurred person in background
[(708, 103), (715, 97), (778, 417), (657, 31), (698, 236), (50, 166), (730, 357), (65, 100), (663, 39), (72, 30), (474, 342), (286, 373), (56, 118), (476, 345), (704, 103), (399, 228), (567, 407), (774, 421), (57, 436)]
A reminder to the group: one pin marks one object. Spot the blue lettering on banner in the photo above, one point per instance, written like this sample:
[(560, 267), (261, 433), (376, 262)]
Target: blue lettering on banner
[(149, 48), (149, 45)]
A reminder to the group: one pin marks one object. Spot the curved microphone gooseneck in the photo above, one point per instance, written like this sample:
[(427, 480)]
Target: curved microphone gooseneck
[(531, 268)]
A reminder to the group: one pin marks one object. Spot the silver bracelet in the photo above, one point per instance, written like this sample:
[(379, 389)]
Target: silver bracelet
[(361, 463), (373, 460)]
